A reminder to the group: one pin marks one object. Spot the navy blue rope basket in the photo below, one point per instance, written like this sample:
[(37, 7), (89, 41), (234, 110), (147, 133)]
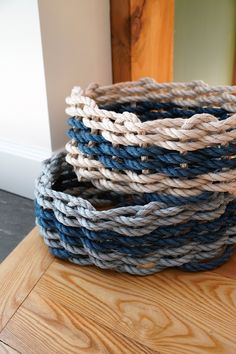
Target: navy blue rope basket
[(148, 181)]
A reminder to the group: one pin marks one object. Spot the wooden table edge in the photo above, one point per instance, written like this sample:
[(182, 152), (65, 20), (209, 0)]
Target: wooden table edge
[(20, 272)]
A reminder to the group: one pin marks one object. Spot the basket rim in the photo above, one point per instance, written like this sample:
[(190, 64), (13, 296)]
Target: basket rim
[(182, 134), (48, 182)]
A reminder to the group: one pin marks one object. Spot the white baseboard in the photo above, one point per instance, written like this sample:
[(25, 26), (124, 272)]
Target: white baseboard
[(19, 166)]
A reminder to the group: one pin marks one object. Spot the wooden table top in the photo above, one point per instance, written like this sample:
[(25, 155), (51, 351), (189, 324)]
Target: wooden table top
[(50, 306)]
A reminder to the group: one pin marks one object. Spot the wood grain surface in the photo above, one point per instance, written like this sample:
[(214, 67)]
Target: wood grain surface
[(73, 333), (142, 39), (121, 40), (5, 349), (20, 272), (72, 309), (171, 312)]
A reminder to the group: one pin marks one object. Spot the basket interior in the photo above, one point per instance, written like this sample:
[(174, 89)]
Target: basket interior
[(68, 183), (152, 110)]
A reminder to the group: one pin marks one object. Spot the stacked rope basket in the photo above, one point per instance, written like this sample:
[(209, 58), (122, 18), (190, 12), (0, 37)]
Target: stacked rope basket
[(148, 181)]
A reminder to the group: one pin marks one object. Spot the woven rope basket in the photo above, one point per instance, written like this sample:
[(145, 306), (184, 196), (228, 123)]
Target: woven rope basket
[(145, 137), (148, 181)]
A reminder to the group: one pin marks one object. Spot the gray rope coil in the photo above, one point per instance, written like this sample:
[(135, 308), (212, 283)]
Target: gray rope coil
[(131, 237), (146, 137), (148, 181)]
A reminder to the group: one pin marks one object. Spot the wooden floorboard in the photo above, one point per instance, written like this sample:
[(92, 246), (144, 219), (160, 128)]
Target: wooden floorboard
[(170, 312), (51, 306), (142, 35), (20, 272), (5, 349), (62, 331)]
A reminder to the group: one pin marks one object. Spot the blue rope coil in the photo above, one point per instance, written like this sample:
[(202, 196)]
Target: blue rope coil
[(107, 241), (151, 110), (191, 245), (154, 159), (181, 213)]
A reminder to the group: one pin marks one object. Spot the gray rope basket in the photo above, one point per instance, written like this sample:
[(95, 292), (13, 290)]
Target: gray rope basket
[(129, 232)]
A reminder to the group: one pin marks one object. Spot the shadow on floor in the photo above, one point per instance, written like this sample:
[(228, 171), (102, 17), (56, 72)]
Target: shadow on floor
[(16, 220)]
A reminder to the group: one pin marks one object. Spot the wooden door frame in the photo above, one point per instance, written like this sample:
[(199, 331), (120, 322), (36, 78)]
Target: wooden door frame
[(142, 39)]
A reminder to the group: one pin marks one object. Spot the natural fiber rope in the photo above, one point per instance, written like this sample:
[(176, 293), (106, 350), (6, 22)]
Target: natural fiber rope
[(173, 156), (148, 181), (195, 93), (170, 236), (94, 170), (178, 134)]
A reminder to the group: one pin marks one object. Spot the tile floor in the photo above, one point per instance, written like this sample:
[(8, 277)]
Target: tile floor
[(16, 220)]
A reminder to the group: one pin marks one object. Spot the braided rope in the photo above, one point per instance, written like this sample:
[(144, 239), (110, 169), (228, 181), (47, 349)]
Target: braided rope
[(176, 139), (174, 134), (195, 93), (171, 235), (148, 181), (178, 134), (94, 170)]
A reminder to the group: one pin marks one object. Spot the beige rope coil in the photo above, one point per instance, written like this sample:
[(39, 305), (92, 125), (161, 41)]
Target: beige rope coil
[(179, 134)]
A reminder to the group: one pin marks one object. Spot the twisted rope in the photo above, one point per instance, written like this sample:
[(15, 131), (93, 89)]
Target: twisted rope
[(180, 134), (195, 93), (127, 181), (148, 181), (174, 139), (171, 235), (175, 134)]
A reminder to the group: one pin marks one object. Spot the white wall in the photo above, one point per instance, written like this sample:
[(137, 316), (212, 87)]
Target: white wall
[(46, 47), (24, 125), (204, 40), (23, 108), (77, 51)]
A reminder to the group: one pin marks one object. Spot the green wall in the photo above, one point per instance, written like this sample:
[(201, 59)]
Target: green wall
[(204, 40)]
